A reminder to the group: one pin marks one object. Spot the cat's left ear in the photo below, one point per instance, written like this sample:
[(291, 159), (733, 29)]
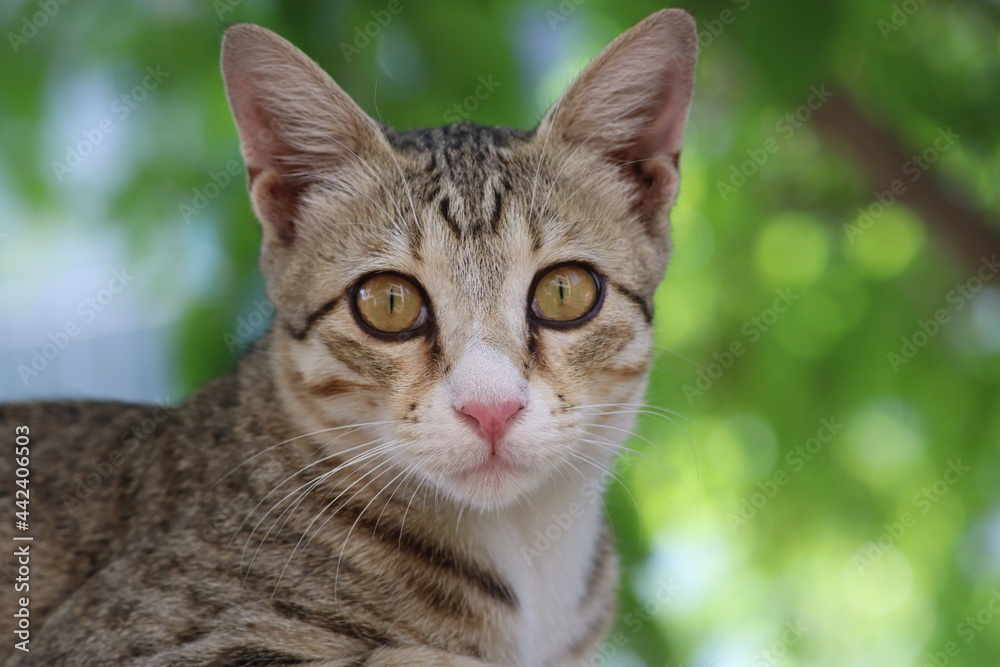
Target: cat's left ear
[(631, 104)]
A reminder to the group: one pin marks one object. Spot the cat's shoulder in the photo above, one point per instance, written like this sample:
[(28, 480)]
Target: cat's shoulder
[(69, 415), (69, 429)]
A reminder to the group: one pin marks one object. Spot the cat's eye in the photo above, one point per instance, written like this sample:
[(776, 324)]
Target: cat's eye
[(390, 303), (565, 294)]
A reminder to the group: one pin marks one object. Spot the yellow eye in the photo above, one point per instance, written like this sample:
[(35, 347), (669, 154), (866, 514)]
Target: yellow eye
[(565, 293), (390, 303)]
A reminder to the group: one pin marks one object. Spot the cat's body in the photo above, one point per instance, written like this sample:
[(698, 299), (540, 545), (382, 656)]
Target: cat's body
[(359, 492), (157, 566)]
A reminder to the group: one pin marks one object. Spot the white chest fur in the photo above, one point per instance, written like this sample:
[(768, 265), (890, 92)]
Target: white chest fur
[(545, 548)]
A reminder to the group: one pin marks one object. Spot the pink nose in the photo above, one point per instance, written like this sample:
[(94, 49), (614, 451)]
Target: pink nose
[(493, 419)]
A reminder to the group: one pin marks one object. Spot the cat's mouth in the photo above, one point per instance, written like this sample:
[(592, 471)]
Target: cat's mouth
[(492, 465), (493, 481)]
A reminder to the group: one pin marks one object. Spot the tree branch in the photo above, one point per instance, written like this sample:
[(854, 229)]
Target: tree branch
[(879, 156)]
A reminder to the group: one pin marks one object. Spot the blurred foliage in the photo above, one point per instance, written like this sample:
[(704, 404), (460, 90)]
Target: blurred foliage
[(762, 514)]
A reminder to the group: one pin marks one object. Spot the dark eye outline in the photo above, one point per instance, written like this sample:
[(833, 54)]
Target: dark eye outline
[(421, 326), (535, 315)]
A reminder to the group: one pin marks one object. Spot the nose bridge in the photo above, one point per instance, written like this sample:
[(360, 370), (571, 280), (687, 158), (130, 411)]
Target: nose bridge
[(485, 375), (485, 319)]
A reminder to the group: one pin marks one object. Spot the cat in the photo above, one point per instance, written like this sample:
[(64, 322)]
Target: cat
[(462, 333)]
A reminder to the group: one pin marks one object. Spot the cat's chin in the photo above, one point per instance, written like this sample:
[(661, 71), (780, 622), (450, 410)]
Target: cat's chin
[(494, 484)]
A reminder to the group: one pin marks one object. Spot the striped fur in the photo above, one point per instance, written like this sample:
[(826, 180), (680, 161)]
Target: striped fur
[(326, 504)]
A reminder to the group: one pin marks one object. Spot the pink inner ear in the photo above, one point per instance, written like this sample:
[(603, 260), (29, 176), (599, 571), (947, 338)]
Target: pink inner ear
[(276, 201), (252, 174), (633, 99), (294, 123), (654, 179), (274, 195), (665, 134), (258, 140)]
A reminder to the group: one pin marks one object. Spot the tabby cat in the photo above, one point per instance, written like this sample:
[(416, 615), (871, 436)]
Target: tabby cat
[(462, 331)]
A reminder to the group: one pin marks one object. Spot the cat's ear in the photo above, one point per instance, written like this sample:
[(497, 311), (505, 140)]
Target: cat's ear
[(631, 103), (296, 126)]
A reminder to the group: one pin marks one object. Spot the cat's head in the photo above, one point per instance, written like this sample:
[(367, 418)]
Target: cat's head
[(487, 291)]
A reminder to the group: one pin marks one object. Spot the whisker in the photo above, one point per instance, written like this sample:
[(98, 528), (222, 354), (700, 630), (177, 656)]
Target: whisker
[(394, 444), (677, 354), (312, 484), (402, 524), (299, 472), (316, 480), (340, 557), (569, 159), (308, 528), (649, 442), (600, 495), (381, 450), (402, 482), (672, 469), (644, 408), (611, 473), (612, 448), (374, 173), (656, 411), (541, 156), (399, 169), (304, 435)]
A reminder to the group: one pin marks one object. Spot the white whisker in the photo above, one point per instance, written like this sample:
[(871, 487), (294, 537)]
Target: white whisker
[(304, 435)]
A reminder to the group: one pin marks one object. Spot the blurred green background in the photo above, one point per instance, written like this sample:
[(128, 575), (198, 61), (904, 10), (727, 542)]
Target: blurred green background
[(827, 385)]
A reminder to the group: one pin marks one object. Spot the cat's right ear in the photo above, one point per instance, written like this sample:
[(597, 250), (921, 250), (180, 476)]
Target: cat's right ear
[(296, 126)]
